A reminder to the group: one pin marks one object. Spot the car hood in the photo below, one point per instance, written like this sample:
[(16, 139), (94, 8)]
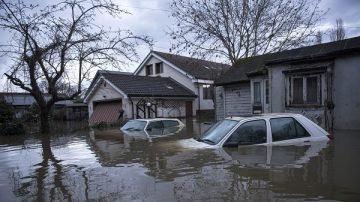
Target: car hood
[(194, 144)]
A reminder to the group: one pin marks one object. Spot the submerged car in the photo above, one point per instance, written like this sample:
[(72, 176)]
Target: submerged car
[(152, 128), (266, 129)]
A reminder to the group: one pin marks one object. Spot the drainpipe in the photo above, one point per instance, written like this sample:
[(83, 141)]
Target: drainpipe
[(224, 99), (199, 97)]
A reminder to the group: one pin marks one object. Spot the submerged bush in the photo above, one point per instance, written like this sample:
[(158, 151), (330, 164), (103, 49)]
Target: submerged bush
[(9, 125), (12, 128)]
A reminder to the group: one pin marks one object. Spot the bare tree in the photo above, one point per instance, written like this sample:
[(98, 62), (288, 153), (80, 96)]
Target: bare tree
[(58, 41), (242, 28), (318, 37), (338, 32)]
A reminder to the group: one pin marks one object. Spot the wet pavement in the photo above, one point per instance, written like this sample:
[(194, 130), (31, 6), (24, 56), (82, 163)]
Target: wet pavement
[(106, 165)]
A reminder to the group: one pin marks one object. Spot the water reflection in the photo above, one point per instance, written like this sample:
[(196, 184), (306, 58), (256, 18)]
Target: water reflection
[(104, 165)]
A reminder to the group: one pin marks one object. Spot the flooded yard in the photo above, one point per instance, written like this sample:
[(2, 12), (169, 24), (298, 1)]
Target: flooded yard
[(106, 165)]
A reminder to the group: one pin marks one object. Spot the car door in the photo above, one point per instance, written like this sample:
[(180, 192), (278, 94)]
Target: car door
[(170, 127), (248, 133), (287, 130), (155, 128)]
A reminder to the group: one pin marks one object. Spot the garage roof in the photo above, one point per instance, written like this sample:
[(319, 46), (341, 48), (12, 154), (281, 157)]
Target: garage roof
[(144, 86)]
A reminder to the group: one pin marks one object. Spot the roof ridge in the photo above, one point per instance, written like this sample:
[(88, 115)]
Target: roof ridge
[(188, 57), (321, 45), (114, 72)]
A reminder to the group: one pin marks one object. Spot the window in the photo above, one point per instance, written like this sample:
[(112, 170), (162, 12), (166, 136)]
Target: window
[(149, 70), (252, 132), (159, 68), (218, 131), (287, 128), (257, 93), (155, 125), (208, 92), (305, 90), (170, 123), (134, 125)]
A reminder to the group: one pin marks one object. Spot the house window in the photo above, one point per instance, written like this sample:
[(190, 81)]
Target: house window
[(149, 70), (257, 93), (305, 90), (208, 92), (159, 68)]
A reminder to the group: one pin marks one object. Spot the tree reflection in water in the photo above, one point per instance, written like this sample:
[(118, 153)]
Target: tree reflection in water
[(103, 166)]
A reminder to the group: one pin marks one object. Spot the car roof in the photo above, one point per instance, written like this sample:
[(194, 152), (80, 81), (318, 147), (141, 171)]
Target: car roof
[(157, 119), (269, 115)]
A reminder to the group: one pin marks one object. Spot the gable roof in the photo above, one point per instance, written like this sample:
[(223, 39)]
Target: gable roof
[(143, 86), (200, 69), (243, 67)]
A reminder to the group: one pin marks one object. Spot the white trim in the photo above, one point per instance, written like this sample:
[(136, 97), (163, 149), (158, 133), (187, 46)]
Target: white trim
[(142, 64), (107, 81), (202, 81), (92, 90)]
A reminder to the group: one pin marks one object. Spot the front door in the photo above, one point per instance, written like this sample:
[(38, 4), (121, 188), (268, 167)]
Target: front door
[(260, 96)]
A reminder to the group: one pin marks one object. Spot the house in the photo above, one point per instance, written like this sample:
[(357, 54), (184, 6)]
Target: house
[(195, 74), (66, 110), (319, 81), (114, 96)]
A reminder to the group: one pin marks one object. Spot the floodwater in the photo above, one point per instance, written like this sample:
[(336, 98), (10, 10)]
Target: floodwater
[(104, 165)]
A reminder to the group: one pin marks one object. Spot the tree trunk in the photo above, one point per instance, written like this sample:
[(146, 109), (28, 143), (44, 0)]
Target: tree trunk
[(44, 120)]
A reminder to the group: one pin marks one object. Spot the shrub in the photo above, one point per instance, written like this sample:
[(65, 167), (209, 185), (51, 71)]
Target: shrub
[(9, 125)]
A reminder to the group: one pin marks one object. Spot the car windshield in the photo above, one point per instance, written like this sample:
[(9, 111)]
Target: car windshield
[(218, 131), (134, 125)]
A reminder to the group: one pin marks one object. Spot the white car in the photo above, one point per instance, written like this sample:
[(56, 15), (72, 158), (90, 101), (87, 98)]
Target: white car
[(152, 128), (266, 129)]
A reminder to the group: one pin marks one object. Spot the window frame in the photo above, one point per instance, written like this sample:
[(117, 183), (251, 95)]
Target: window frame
[(149, 70), (207, 92), (255, 101), (159, 68), (290, 102)]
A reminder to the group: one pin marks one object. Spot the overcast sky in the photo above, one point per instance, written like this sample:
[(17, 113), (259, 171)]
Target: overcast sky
[(153, 18)]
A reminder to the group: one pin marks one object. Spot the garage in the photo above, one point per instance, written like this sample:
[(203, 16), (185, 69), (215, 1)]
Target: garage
[(106, 112)]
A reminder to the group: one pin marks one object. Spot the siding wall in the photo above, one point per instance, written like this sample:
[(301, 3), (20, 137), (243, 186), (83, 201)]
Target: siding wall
[(346, 92), (236, 100)]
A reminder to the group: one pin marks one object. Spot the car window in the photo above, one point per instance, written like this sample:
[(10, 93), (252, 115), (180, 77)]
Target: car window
[(251, 132), (170, 123), (155, 125), (134, 125), (218, 131), (287, 128)]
